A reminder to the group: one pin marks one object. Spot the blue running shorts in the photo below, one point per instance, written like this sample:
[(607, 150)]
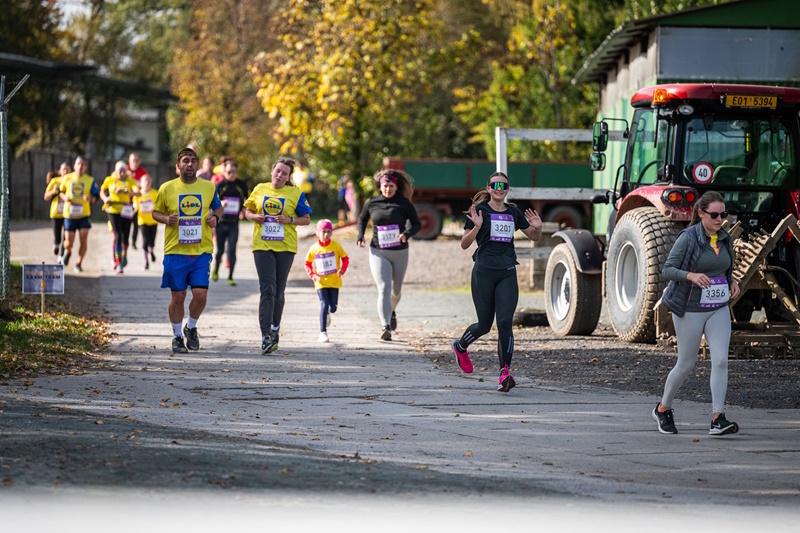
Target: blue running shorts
[(75, 224), (182, 271)]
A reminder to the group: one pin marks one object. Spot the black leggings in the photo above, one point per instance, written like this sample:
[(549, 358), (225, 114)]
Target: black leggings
[(273, 271), (149, 237), (226, 232), (58, 230), (135, 225), (328, 299), (494, 292), (122, 231)]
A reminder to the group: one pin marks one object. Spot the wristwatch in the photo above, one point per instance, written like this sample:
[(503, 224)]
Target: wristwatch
[(291, 220), (215, 216)]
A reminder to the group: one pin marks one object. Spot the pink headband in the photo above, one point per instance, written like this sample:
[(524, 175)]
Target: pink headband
[(324, 224), (388, 178)]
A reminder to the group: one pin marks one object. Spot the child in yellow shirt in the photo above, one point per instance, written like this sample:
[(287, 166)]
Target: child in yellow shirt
[(326, 263)]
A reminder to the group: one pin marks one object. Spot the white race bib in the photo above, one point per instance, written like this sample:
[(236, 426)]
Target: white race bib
[(60, 206), (717, 294), (325, 263), (75, 210), (190, 230), (502, 227), (388, 236), (146, 206), (233, 206), (271, 230), (126, 211)]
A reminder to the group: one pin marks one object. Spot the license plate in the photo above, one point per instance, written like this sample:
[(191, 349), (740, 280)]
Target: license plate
[(732, 100)]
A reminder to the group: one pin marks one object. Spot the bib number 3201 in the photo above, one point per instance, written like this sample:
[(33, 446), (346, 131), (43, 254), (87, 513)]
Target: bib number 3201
[(502, 227)]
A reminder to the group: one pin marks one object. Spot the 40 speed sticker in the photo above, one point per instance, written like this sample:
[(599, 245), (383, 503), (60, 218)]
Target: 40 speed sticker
[(703, 173)]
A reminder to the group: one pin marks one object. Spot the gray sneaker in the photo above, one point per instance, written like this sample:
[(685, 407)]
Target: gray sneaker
[(178, 346), (270, 344), (192, 338)]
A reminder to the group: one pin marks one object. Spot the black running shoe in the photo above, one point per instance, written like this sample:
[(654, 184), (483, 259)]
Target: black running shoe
[(192, 338), (178, 346), (270, 344), (666, 424), (386, 334), (65, 260), (393, 321), (722, 426), (56, 249), (152, 257)]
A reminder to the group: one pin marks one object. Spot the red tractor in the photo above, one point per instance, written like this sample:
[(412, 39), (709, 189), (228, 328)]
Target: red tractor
[(684, 139)]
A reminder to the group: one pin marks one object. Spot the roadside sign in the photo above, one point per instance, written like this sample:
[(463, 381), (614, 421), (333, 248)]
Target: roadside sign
[(43, 279)]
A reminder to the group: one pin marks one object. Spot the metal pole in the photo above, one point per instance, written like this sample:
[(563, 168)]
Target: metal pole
[(500, 150)]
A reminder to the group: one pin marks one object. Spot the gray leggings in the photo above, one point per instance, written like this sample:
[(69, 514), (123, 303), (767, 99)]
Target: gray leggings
[(273, 272), (388, 268), (689, 329)]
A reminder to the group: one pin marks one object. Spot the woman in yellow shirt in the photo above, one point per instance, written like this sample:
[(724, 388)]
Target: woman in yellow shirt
[(144, 206), (117, 192), (56, 207)]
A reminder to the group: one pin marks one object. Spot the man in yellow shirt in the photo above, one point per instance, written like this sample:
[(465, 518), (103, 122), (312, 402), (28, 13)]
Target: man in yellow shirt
[(78, 191), (190, 208)]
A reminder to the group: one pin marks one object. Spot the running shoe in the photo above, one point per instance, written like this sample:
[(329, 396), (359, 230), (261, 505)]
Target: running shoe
[(192, 338), (55, 249), (462, 357), (665, 421), (118, 270), (722, 426), (393, 321), (215, 275), (270, 344), (152, 256), (60, 260), (146, 265), (78, 268), (124, 261), (231, 282), (323, 336), (386, 334), (178, 346), (506, 380), (133, 245), (66, 258)]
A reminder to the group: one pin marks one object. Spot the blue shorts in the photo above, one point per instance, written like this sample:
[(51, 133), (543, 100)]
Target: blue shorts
[(74, 224), (182, 271)]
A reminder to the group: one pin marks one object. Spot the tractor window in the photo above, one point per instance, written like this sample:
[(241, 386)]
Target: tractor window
[(648, 147), (739, 153)]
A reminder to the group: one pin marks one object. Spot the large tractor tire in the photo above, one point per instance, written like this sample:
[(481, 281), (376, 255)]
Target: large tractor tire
[(638, 250), (572, 299), (565, 216), (431, 222)]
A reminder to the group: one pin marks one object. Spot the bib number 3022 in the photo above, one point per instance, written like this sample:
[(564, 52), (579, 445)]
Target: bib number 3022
[(271, 230)]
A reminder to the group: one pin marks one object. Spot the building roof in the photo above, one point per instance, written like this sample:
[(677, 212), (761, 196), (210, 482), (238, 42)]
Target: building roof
[(772, 14)]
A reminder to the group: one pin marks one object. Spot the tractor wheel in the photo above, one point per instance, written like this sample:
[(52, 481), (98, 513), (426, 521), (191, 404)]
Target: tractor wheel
[(572, 299), (431, 220), (638, 250), (566, 216)]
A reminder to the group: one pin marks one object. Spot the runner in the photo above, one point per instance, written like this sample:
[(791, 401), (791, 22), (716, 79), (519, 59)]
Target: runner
[(388, 249), (51, 194), (117, 192), (137, 173), (144, 207), (326, 263), (276, 208), (78, 191), (190, 209), (702, 256), (233, 192), (492, 223)]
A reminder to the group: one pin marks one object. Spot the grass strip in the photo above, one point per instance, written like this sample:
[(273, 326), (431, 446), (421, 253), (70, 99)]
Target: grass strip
[(64, 339)]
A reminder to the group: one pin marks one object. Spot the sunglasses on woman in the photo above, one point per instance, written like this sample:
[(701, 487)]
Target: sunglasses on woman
[(714, 214), (499, 185)]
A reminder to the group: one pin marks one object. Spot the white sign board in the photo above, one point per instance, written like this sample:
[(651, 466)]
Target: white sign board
[(34, 275)]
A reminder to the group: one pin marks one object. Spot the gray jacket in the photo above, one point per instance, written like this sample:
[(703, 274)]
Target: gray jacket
[(676, 295)]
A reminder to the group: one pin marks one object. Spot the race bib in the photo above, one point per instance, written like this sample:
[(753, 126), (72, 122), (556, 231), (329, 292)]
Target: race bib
[(146, 206), (325, 263), (271, 230), (127, 211), (717, 294), (75, 210), (502, 227), (388, 236), (60, 206), (233, 206), (190, 230)]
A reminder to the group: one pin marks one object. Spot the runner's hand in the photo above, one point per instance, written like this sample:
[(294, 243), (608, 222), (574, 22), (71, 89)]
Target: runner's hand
[(172, 220), (533, 219), (340, 273), (475, 216), (360, 243), (211, 220), (403, 238), (734, 289), (315, 278), (699, 279)]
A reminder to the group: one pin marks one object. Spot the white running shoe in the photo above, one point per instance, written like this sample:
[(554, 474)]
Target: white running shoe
[(323, 336)]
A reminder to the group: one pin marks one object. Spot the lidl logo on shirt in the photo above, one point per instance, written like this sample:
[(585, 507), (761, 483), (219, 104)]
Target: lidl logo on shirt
[(77, 188), (190, 204), (273, 206)]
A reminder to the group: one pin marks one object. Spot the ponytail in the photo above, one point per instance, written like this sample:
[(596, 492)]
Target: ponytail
[(708, 198)]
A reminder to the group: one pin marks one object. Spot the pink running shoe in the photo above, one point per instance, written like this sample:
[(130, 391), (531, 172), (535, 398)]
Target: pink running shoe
[(462, 358), (506, 380)]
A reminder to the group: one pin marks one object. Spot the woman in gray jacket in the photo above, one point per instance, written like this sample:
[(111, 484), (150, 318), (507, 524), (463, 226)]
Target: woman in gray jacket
[(699, 270)]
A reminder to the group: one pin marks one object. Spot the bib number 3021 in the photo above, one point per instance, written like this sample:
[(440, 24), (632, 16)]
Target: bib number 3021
[(190, 230), (717, 294)]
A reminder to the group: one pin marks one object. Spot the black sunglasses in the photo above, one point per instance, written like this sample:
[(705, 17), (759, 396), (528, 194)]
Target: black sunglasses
[(499, 185), (714, 214)]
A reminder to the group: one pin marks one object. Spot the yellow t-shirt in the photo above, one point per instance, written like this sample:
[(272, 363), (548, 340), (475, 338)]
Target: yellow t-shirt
[(56, 203), (75, 188), (118, 199), (288, 201), (145, 204), (326, 262), (191, 235)]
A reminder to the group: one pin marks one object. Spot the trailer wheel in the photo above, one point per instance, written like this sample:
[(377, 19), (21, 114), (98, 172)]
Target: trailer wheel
[(638, 250), (572, 299), (431, 222), (565, 215)]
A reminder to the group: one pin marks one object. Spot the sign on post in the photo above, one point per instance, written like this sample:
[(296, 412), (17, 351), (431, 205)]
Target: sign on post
[(42, 279)]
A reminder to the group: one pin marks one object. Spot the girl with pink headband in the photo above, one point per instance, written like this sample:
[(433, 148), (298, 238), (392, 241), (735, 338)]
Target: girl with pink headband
[(326, 263)]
